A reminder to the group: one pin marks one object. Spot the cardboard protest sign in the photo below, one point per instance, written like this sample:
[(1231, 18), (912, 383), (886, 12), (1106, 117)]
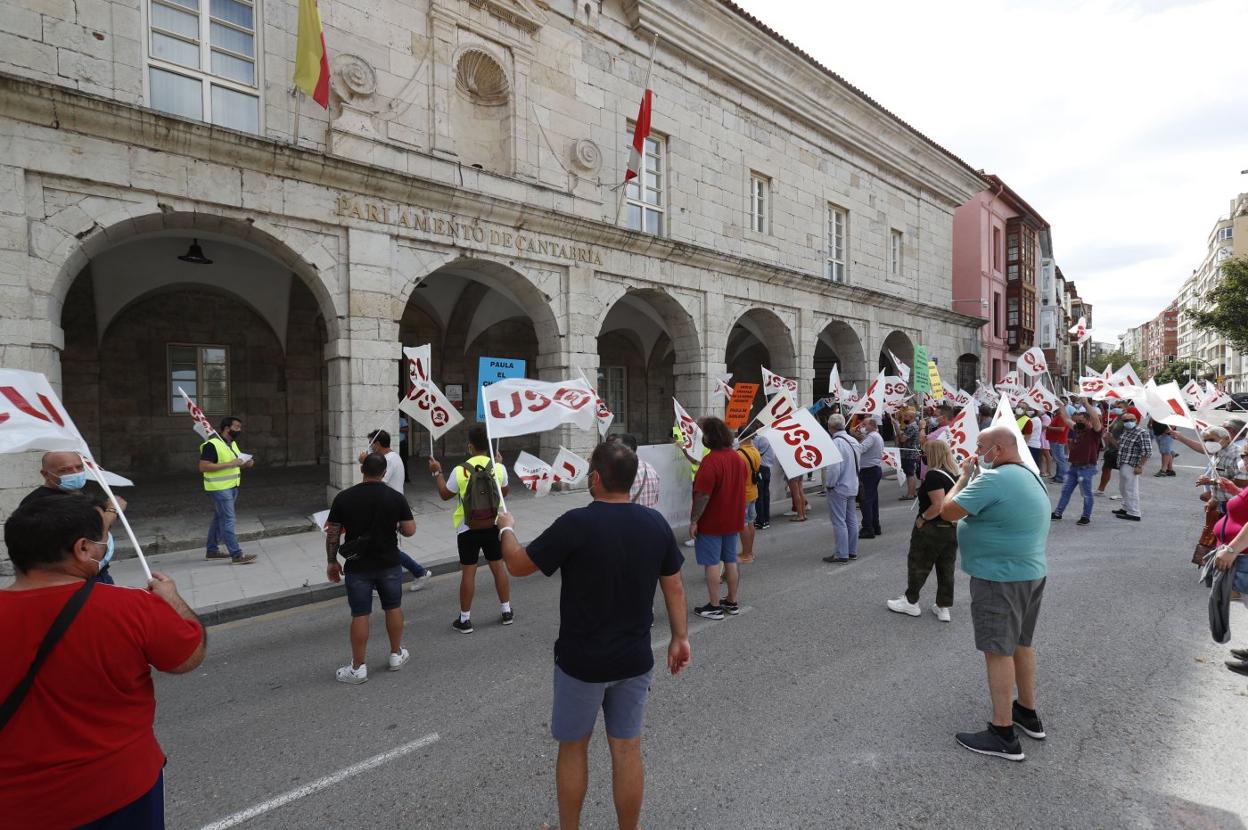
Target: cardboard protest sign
[(921, 377), (737, 414)]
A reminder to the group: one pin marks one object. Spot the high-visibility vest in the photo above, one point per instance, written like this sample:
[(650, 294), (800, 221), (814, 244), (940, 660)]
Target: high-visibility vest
[(461, 478), (228, 478)]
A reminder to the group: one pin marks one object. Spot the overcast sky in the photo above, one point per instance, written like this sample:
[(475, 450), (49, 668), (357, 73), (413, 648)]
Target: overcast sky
[(1125, 124)]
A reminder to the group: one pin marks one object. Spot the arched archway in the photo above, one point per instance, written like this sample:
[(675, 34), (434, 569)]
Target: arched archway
[(840, 346), (234, 326), (646, 344), (899, 344), (760, 338)]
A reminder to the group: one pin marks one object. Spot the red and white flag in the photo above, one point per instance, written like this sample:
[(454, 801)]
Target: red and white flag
[(640, 133), (872, 401), (1005, 417), (1125, 377), (520, 406), (1214, 397), (984, 395), (722, 391), (1192, 393), (569, 467), (800, 444), (1032, 362), (430, 408), (690, 435), (850, 396), (602, 413), (1041, 397), (534, 473), (777, 407), (773, 383), (834, 383), (891, 458), (199, 421), (1166, 404), (958, 396), (896, 393), (419, 365), (1081, 331), (902, 369), (1010, 383), (963, 432)]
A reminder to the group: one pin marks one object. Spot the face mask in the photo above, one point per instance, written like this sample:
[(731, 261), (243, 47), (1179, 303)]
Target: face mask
[(984, 463), (1080, 425), (108, 553), (1213, 446), (1115, 411), (1128, 424), (73, 481)]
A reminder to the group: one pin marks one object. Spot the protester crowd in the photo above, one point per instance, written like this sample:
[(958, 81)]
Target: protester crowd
[(93, 761)]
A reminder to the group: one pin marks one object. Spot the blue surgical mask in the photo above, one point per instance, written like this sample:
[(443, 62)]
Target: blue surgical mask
[(108, 552), (1128, 424), (73, 481), (984, 463)]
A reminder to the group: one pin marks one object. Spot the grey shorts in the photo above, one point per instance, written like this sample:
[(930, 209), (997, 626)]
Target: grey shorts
[(576, 705), (1004, 614)]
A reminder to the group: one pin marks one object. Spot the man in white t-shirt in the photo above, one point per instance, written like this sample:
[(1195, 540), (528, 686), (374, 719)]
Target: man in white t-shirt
[(395, 475)]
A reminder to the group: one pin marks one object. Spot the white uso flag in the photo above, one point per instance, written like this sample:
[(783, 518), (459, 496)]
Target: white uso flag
[(722, 391), (958, 396), (519, 406), (419, 364), (690, 434), (1166, 404), (1005, 417), (1042, 399), (1214, 397), (800, 444), (834, 383), (902, 369), (1032, 362), (534, 473), (199, 421), (895, 393), (1192, 394), (963, 432), (426, 404), (872, 401), (773, 383), (1125, 377), (569, 467), (779, 406), (33, 418), (891, 457), (1010, 383)]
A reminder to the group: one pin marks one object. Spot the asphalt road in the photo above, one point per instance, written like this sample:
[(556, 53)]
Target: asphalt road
[(815, 708)]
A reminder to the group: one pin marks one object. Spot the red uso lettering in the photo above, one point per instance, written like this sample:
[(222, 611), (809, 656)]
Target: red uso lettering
[(439, 416), (808, 456), (15, 397)]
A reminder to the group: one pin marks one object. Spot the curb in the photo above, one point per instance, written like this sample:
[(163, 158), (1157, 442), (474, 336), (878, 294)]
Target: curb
[(158, 546)]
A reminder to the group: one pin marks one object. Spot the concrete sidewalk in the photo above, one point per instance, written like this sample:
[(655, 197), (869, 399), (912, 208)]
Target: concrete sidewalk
[(290, 570)]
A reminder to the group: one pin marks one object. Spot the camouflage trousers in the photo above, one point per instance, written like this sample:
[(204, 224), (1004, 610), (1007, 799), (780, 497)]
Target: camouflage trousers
[(933, 545)]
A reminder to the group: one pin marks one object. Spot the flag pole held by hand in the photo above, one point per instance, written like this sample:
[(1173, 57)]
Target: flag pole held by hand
[(121, 514)]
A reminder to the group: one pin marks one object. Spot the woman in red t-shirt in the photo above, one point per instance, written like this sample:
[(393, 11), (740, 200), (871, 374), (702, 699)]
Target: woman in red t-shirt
[(80, 750), (1056, 435), (718, 516)]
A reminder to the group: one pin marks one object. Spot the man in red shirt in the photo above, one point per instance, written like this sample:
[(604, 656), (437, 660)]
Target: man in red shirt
[(718, 516), (1056, 433), (79, 749)]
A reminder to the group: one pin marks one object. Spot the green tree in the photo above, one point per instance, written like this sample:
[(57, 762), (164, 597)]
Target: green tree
[(1183, 371), (1118, 358), (1227, 304)]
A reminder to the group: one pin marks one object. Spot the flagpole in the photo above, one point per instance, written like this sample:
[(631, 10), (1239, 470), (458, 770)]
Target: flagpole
[(294, 93), (502, 500), (121, 514), (619, 204)]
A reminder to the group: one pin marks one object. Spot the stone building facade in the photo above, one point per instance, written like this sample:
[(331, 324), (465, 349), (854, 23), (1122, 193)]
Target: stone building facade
[(459, 191)]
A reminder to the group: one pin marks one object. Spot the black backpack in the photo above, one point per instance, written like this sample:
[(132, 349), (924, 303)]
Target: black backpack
[(480, 496)]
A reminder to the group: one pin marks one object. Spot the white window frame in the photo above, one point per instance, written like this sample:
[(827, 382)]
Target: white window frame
[(895, 241), (176, 406), (836, 248), (760, 203), (633, 191), (204, 74), (1226, 233), (618, 407)]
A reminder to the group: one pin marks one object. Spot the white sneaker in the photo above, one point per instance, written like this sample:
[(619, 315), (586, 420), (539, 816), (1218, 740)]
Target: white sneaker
[(690, 543), (397, 661), (942, 614), (1115, 498), (903, 606), (419, 582), (789, 513), (354, 676), (1098, 492)]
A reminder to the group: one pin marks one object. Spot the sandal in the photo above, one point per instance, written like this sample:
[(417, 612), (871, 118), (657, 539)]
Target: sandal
[(797, 519), (745, 559)]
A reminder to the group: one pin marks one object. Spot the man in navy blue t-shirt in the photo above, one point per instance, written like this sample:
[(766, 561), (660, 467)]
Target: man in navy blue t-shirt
[(612, 554)]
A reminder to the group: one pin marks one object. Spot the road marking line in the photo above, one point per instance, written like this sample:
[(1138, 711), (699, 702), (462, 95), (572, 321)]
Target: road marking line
[(321, 783)]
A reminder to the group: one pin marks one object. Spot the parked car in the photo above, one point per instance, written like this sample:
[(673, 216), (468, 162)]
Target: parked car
[(1241, 399)]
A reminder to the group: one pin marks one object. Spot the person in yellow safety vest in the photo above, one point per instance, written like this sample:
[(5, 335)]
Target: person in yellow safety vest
[(221, 463), (476, 534)]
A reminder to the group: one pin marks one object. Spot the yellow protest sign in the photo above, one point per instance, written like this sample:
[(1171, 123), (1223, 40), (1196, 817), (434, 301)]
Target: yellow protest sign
[(938, 390)]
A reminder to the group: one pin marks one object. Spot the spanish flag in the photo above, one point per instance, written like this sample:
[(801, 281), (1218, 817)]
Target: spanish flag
[(311, 59)]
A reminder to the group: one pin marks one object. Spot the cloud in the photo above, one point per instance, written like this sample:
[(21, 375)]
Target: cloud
[(1122, 123)]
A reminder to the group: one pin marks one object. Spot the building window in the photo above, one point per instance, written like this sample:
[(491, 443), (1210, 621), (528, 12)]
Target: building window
[(613, 387), (836, 243), (996, 314), (203, 61), (760, 196), (1013, 314), (1226, 233), (996, 250), (894, 253), (644, 211), (203, 372)]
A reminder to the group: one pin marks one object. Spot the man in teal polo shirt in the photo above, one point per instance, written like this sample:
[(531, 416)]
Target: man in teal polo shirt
[(1004, 513)]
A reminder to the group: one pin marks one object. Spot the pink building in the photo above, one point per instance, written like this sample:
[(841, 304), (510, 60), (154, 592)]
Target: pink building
[(995, 262)]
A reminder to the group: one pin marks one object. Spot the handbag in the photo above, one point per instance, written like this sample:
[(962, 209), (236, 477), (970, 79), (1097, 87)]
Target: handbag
[(55, 632), (1208, 539)]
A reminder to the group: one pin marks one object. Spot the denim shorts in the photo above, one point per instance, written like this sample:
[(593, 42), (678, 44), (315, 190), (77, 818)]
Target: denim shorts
[(360, 585), (1165, 445), (576, 704), (751, 511), (710, 550)]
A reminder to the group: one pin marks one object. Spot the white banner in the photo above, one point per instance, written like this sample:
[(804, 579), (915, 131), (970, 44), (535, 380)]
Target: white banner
[(534, 473), (850, 396), (1005, 417), (1094, 388), (722, 392), (1032, 362), (800, 444), (834, 383), (986, 396), (773, 383), (1010, 383), (520, 406), (199, 421), (1214, 397), (1166, 404), (891, 458), (778, 407), (429, 407), (690, 434), (1192, 393), (896, 393), (569, 468), (1042, 398), (1127, 377), (419, 365), (872, 401), (902, 369), (963, 432), (31, 415), (958, 397)]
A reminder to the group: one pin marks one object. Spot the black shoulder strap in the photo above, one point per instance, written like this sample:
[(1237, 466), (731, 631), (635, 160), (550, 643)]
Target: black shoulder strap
[(748, 462), (59, 626)]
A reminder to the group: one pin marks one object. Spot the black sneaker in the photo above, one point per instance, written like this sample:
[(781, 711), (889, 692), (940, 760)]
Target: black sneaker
[(462, 626), (1057, 517), (509, 617), (711, 612), (990, 742), (1028, 721), (1084, 520), (1120, 512), (852, 557), (730, 608), (764, 525), (1240, 653), (1172, 473), (1125, 515), (836, 560)]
